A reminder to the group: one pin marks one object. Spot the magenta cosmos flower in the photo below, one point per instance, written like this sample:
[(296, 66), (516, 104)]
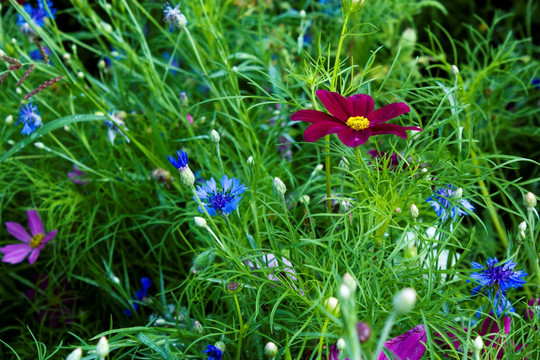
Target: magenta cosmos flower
[(32, 245), (353, 118)]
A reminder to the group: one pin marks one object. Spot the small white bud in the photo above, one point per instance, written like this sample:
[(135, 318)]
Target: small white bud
[(234, 69), (67, 56), (199, 329), (214, 136), (344, 163), (18, 90), (350, 282), (302, 13), (2, 53), (270, 350), (332, 306), (413, 211), (305, 199), (458, 194), (250, 161), (106, 27), (478, 345), (404, 300), (523, 226), (182, 21), (529, 200), (319, 167), (344, 291), (66, 128), (39, 145), (80, 75), (13, 40), (220, 345), (9, 119), (102, 348), (341, 344), (74, 48), (200, 222), (75, 354), (454, 69), (279, 186), (101, 64)]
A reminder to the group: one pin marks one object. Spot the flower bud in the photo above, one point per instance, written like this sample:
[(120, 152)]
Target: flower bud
[(331, 305), (181, 22), (67, 56), (458, 194), (529, 200), (186, 176), (305, 199), (364, 332), (200, 222), (404, 300), (250, 161), (350, 282), (9, 120), (221, 346), (345, 292), (411, 251), (341, 344), (39, 145), (478, 345), (80, 75), (318, 168), (279, 186), (344, 163), (199, 329), (203, 260), (270, 350), (184, 101), (523, 226), (75, 354), (454, 69), (102, 64), (302, 13), (102, 348), (413, 211), (233, 286), (18, 90), (214, 136)]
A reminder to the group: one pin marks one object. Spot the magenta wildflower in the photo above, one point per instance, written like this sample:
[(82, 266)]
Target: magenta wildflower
[(353, 119), (32, 245), (409, 346), (78, 176)]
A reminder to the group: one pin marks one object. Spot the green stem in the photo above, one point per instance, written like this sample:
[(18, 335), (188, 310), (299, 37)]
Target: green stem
[(241, 334), (322, 337), (386, 331)]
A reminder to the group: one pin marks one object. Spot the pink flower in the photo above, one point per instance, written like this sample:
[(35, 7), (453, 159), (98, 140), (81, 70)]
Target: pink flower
[(78, 176), (32, 245), (353, 118), (409, 346)]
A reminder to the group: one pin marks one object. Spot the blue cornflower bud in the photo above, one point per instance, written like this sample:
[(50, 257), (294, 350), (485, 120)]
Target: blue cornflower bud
[(174, 17), (181, 163), (31, 118)]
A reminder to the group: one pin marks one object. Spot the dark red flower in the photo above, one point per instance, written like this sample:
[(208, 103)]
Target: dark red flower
[(353, 118)]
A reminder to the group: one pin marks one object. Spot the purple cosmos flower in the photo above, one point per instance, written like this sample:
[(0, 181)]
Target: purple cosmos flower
[(222, 201), (497, 278), (32, 245), (213, 352), (353, 119), (78, 176), (31, 118), (268, 261), (140, 295), (444, 206), (532, 308)]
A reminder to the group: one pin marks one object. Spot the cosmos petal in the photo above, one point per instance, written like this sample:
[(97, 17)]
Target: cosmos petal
[(388, 112), (336, 104), (18, 232), (34, 255), (409, 346), (49, 237), (354, 138), (319, 129), (15, 253), (313, 116), (34, 223), (360, 104)]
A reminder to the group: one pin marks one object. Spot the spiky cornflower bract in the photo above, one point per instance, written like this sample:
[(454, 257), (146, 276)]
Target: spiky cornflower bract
[(444, 205), (222, 201), (213, 352), (30, 117), (352, 118), (174, 17), (181, 163), (37, 15)]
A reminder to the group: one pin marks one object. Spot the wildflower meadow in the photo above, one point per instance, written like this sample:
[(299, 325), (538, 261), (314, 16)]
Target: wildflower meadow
[(269, 179)]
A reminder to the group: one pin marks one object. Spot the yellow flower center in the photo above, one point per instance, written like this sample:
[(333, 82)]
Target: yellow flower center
[(358, 123), (36, 240)]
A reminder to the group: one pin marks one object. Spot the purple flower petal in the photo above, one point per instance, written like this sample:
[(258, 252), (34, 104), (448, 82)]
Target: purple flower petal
[(336, 104), (388, 112), (360, 105), (18, 232), (317, 130), (34, 223), (49, 237), (16, 253), (313, 116), (493, 338), (354, 138), (409, 346), (34, 255)]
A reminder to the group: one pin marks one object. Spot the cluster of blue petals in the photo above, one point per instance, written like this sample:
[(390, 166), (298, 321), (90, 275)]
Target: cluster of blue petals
[(222, 201), (140, 294), (37, 15), (213, 352), (181, 160), (498, 280), (30, 117), (444, 205)]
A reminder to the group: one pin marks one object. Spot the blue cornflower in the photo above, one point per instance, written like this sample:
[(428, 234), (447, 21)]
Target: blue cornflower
[(174, 17), (174, 62), (36, 54), (37, 15), (220, 201), (443, 205), (213, 352), (31, 118), (536, 83), (140, 294), (497, 278), (330, 7), (181, 160)]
